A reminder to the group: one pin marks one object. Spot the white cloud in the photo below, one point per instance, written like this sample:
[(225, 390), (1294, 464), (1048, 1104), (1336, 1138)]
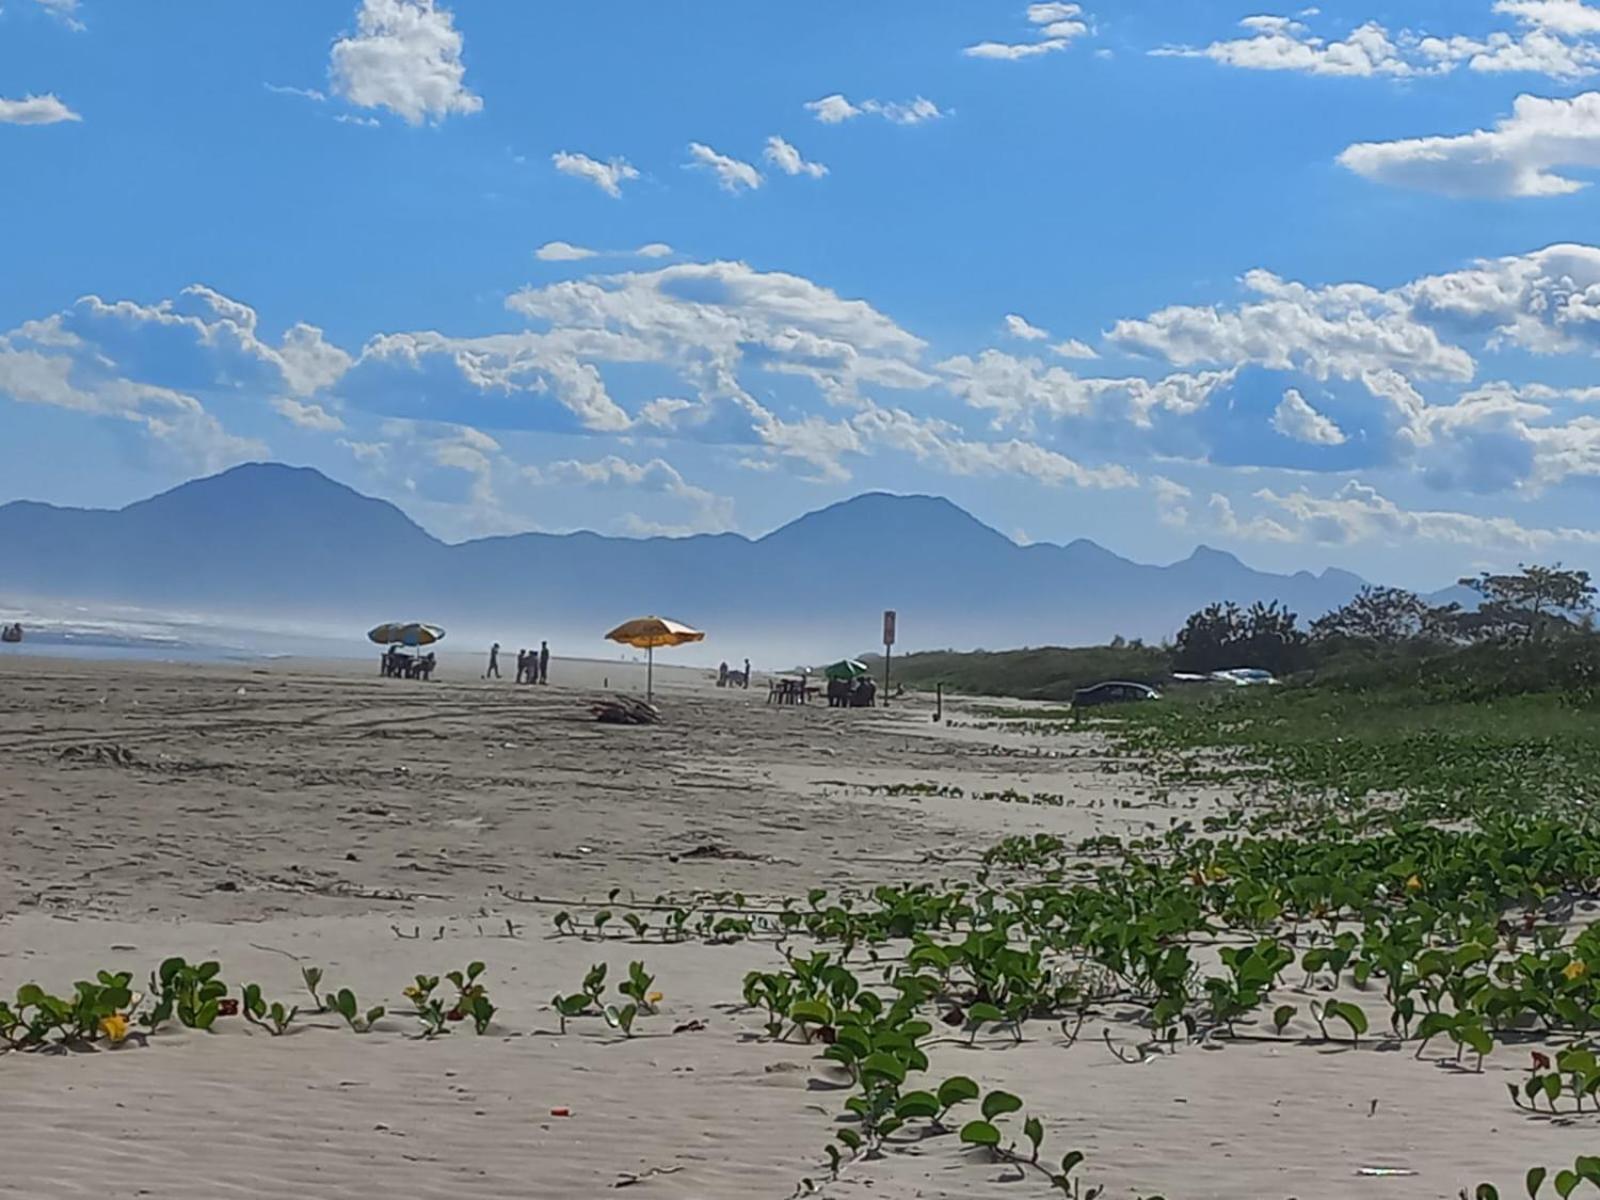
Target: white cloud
[(1359, 513), (1518, 157), (732, 173), (1022, 392), (307, 416), (563, 252), (1018, 327), (1573, 18), (714, 513), (789, 160), (1171, 501), (831, 110), (35, 110), (283, 89), (65, 11), (1284, 44), (834, 109), (607, 176), (1073, 348), (66, 376), (1542, 46), (1055, 26), (1295, 418), (1349, 330), (405, 57), (567, 252), (1014, 51)]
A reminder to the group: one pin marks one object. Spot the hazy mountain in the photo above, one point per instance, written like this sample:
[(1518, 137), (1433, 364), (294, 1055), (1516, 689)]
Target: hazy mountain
[(268, 538)]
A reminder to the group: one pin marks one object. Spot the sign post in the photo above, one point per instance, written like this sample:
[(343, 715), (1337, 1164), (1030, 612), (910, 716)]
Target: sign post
[(888, 647)]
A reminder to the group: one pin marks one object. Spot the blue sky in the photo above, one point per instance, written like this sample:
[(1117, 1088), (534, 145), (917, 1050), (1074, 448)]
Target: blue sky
[(1317, 287)]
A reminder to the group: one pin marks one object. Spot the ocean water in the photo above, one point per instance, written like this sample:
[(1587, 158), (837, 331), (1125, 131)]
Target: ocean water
[(74, 631)]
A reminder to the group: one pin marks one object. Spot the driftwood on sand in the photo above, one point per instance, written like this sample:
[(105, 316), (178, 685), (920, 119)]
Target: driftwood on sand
[(624, 710)]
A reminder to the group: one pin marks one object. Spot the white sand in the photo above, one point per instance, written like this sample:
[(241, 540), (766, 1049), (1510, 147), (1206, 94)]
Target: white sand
[(302, 818)]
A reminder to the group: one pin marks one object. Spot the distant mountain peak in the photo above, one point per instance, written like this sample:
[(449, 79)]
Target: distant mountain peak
[(1210, 556)]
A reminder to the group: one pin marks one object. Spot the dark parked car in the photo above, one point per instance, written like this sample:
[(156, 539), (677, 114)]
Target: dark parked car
[(1114, 692)]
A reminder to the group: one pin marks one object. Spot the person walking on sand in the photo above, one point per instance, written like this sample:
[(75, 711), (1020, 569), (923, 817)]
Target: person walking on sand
[(494, 662), (544, 662), (522, 666)]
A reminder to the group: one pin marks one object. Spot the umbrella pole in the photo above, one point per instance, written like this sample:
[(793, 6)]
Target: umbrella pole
[(649, 674)]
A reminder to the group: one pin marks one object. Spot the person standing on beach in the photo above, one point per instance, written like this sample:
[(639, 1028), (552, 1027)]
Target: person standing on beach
[(522, 665), (494, 662), (747, 674), (544, 662)]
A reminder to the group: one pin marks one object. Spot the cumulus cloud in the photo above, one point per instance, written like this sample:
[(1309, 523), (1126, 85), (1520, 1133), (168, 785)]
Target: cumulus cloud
[(405, 57), (1018, 327), (563, 252), (1573, 18), (835, 109), (1518, 157), (789, 160), (567, 252), (35, 110), (1295, 418), (732, 173), (1359, 513), (712, 513), (607, 176), (1284, 44), (307, 416), (1073, 348), (1054, 26)]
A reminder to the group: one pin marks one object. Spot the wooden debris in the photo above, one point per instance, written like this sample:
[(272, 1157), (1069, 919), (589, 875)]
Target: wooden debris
[(624, 710)]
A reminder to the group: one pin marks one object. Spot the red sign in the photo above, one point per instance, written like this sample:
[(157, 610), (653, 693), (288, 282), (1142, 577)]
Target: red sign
[(888, 627)]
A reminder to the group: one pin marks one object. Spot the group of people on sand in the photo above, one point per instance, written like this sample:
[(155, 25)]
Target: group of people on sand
[(11, 633), (397, 664), (728, 677), (533, 666)]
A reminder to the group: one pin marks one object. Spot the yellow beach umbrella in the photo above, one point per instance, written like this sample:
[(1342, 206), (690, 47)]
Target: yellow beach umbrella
[(646, 633), (405, 633)]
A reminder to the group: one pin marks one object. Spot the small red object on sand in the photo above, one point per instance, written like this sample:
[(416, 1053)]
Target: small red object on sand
[(562, 1111)]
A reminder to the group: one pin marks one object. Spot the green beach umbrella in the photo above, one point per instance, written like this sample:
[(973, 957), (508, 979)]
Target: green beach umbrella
[(847, 668)]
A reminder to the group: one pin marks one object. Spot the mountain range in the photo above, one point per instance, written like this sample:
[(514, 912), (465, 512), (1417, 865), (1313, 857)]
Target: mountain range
[(264, 538)]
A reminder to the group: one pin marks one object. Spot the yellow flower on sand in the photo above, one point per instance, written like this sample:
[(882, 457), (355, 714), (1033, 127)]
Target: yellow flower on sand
[(1576, 970), (412, 993), (1414, 884), (115, 1027), (655, 998)]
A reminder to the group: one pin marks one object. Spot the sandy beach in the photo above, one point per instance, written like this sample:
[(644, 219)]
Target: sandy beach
[(298, 814)]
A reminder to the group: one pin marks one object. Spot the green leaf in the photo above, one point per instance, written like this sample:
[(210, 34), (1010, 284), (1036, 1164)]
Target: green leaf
[(850, 1138), (917, 1105), (1535, 1181), (1566, 1183), (1486, 1191), (979, 1013), (1281, 1016), (206, 1015), (997, 1104), (884, 1065), (1070, 1161), (1033, 1130), (956, 1089), (812, 1012), (980, 1133)]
